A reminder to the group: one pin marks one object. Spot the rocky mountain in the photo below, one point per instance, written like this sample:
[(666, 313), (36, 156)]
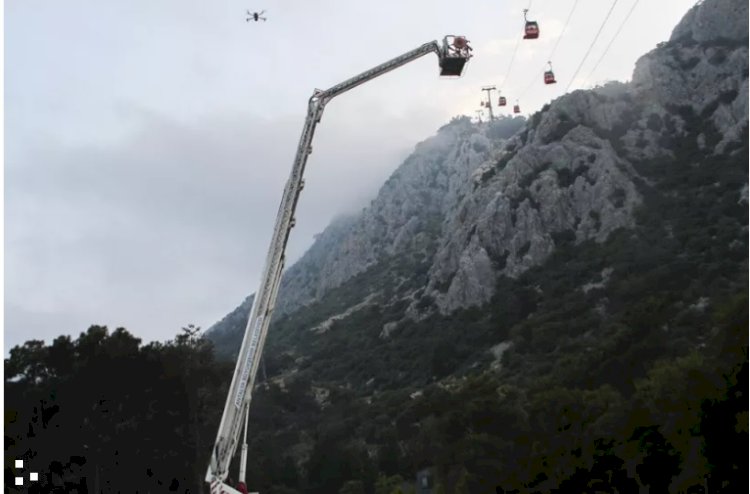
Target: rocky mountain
[(406, 215), (575, 282), (478, 203)]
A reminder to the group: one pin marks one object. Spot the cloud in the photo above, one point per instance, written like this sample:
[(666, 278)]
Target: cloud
[(170, 225)]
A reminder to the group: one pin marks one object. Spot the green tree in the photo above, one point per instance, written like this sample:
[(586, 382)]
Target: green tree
[(352, 487), (388, 485)]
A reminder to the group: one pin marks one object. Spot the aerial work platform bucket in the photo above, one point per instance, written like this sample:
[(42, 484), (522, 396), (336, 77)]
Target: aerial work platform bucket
[(454, 54), (452, 66)]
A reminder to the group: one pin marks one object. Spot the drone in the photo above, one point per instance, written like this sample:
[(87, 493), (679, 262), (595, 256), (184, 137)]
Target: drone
[(255, 16)]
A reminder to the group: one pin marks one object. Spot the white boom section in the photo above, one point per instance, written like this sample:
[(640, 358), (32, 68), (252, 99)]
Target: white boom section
[(243, 452), (240, 390)]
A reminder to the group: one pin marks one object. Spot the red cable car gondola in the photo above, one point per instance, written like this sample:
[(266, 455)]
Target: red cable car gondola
[(531, 30), (549, 76), (516, 108), (502, 101)]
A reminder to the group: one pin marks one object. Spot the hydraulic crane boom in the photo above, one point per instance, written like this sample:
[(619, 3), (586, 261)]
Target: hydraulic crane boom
[(453, 55)]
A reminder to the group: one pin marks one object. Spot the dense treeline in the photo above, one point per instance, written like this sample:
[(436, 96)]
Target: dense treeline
[(104, 413)]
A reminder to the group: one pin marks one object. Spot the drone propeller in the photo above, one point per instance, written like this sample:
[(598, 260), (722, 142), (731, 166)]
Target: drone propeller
[(255, 16)]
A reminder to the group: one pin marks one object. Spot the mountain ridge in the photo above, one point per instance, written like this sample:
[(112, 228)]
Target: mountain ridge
[(476, 208)]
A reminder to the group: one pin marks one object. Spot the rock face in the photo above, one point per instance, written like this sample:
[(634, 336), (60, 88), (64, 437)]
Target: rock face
[(704, 66), (538, 193), (477, 202), (406, 215), (714, 20)]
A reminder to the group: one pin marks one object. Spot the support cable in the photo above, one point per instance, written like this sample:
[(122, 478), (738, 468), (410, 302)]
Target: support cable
[(609, 45), (513, 56), (604, 22), (567, 21)]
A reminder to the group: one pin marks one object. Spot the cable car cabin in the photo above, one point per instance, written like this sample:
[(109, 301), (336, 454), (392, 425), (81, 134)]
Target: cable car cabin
[(502, 101), (549, 77), (454, 55), (531, 31), (516, 109)]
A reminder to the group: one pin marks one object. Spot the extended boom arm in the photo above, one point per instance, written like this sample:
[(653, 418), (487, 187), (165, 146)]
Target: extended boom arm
[(453, 54)]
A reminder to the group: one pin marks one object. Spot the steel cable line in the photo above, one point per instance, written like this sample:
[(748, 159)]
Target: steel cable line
[(515, 50), (612, 40), (593, 42), (563, 29), (513, 57), (533, 81), (554, 49)]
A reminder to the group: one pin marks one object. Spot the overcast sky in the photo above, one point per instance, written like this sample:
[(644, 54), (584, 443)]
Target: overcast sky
[(147, 142)]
